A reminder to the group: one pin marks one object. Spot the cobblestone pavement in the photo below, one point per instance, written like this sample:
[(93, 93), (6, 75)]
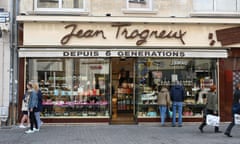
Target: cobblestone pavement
[(118, 134)]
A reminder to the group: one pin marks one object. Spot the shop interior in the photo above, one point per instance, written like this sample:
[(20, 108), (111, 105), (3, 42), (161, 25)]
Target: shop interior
[(123, 94)]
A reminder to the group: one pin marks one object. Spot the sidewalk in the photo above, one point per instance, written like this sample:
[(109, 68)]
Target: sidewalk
[(119, 134)]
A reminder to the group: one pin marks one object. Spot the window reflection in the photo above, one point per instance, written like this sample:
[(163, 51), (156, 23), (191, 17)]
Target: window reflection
[(72, 87)]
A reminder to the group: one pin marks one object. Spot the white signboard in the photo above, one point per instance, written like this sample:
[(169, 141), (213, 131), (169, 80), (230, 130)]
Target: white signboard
[(164, 53)]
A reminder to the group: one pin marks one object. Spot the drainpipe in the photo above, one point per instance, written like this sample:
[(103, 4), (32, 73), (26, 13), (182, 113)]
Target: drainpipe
[(13, 85)]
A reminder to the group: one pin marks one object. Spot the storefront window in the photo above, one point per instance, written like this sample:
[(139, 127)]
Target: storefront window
[(195, 75), (72, 87)]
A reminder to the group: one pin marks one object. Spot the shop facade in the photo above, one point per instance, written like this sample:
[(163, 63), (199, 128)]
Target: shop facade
[(109, 71)]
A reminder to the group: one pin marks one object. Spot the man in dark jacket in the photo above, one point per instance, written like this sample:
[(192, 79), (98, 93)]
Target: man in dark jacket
[(177, 94)]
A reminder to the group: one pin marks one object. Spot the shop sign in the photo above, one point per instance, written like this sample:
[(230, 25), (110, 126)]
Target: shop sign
[(122, 53), (166, 53), (123, 31)]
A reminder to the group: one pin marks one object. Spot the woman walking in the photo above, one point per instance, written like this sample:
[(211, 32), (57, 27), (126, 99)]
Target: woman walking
[(211, 108), (39, 106), (32, 106)]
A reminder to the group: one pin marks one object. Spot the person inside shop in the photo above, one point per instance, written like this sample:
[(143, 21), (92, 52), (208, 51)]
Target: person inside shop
[(32, 105), (163, 102), (177, 94), (122, 76), (235, 110), (210, 108)]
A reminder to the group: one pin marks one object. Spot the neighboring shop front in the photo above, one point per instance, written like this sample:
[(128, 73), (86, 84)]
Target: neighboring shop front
[(102, 71)]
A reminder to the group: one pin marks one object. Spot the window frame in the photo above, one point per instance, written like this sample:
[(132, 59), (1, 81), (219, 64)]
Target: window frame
[(59, 9), (214, 8), (150, 8)]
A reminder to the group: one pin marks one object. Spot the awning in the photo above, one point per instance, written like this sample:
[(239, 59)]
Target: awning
[(164, 53)]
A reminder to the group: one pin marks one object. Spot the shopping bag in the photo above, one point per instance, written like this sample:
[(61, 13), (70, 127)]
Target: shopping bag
[(237, 119), (212, 120), (169, 113)]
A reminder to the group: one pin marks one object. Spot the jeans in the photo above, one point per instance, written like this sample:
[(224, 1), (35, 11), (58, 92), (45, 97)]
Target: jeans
[(177, 107), (163, 110), (37, 116), (230, 126)]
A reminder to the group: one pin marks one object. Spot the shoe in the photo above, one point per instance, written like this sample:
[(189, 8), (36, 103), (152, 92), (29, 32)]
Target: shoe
[(36, 130), (218, 131), (201, 129), (228, 134), (22, 126), (29, 131), (163, 125), (173, 125), (179, 125)]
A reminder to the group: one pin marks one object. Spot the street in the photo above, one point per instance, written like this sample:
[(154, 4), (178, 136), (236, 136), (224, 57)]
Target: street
[(119, 134)]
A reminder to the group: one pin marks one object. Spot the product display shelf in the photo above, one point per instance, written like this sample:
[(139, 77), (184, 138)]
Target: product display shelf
[(147, 102), (124, 99)]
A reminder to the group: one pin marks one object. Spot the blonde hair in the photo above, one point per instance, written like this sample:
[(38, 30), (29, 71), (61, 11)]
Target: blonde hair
[(35, 86)]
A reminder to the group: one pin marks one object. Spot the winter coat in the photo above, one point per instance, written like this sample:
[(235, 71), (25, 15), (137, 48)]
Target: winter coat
[(212, 101), (164, 97), (177, 93)]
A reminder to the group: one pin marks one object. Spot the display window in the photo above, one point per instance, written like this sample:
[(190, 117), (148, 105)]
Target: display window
[(195, 75), (71, 87)]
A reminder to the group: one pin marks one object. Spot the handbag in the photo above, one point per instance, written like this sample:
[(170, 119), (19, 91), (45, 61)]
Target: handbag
[(212, 120), (237, 119)]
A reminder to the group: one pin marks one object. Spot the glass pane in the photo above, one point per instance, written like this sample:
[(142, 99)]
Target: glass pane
[(195, 75), (47, 4), (203, 5), (72, 87), (139, 4), (226, 5), (238, 5), (73, 4)]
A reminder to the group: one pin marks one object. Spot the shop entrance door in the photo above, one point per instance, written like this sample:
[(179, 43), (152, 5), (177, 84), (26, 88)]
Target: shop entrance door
[(123, 91)]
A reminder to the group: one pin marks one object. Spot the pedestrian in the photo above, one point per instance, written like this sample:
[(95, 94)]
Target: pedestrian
[(25, 112), (177, 94), (235, 110), (39, 106), (32, 106), (164, 103), (211, 107)]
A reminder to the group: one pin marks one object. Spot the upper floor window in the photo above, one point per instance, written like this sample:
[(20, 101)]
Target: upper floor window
[(139, 5), (59, 5), (212, 6)]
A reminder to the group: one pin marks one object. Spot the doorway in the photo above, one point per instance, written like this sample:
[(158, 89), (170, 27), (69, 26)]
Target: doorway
[(123, 91)]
